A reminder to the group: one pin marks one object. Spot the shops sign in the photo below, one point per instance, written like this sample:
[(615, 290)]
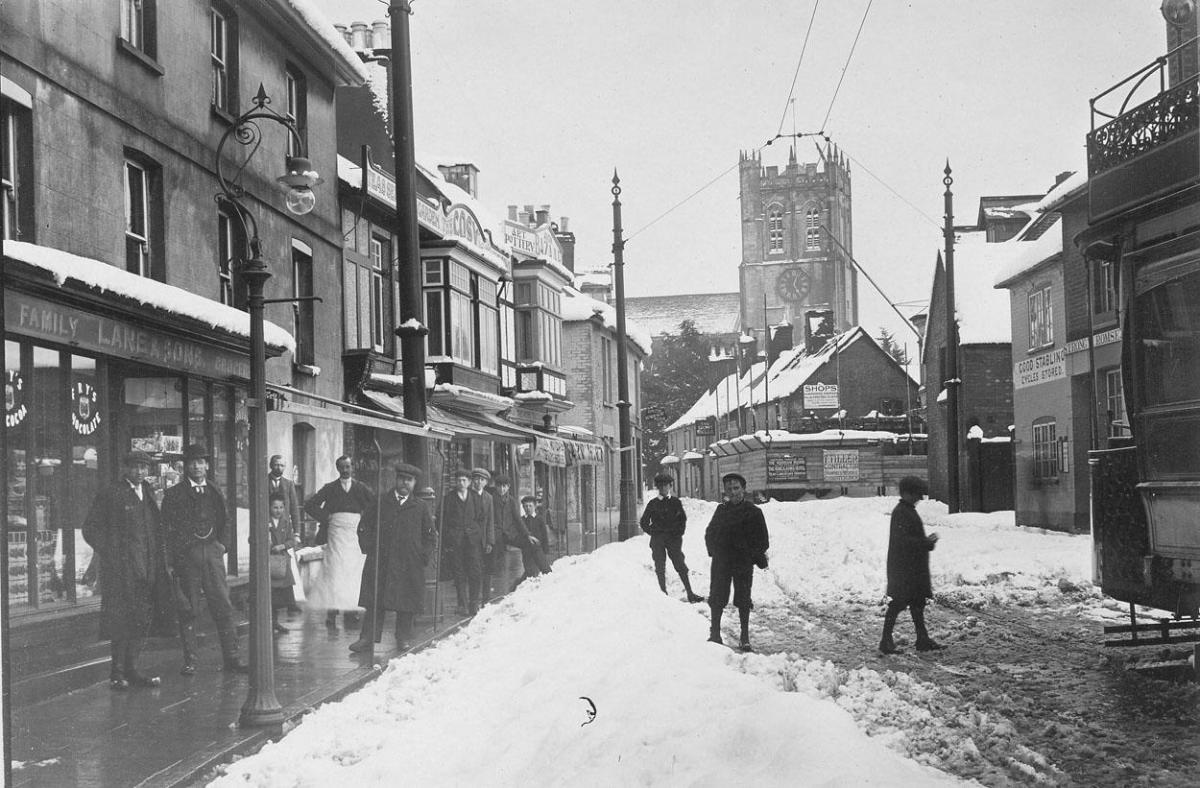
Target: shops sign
[(14, 399), (85, 416), (1040, 369), (820, 395)]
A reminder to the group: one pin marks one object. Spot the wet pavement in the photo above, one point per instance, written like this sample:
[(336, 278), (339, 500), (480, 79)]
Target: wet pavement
[(176, 733)]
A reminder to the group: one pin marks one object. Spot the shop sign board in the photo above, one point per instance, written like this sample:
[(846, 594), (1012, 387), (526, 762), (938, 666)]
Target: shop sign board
[(820, 395), (1099, 339), (1042, 368), (841, 465), (551, 451), (784, 468), (41, 319), (540, 243)]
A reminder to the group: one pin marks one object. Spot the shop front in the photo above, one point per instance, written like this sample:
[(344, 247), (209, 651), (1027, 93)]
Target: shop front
[(93, 371)]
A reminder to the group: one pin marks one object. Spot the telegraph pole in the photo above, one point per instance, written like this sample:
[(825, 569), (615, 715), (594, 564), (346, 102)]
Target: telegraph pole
[(411, 330), (627, 525), (952, 382)]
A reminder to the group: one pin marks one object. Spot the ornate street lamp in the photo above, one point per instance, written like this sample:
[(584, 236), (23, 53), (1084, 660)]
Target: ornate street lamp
[(261, 706), (627, 525)]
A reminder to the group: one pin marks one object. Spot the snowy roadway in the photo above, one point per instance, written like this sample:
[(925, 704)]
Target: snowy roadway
[(1023, 694)]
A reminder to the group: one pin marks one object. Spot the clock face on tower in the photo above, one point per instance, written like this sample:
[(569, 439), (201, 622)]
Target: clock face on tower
[(792, 284)]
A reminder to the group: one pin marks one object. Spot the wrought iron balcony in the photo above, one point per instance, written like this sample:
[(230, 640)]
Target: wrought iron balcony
[(1150, 150)]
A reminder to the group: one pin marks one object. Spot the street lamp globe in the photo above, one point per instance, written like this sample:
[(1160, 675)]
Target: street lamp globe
[(298, 184), (300, 201)]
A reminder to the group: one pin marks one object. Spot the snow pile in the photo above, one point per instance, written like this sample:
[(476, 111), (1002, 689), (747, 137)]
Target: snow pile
[(503, 701)]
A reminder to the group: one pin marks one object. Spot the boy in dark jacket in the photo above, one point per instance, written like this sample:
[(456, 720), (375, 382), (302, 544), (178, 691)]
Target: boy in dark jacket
[(737, 541), (908, 566), (665, 521)]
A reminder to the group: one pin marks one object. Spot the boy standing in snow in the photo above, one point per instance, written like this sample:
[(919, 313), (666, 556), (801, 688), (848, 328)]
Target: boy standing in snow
[(665, 521), (908, 581), (737, 540)]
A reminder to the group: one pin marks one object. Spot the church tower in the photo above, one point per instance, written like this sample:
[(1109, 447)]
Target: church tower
[(787, 253)]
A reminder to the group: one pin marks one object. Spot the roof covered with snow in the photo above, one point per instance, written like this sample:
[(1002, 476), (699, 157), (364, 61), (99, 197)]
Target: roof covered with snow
[(105, 278), (315, 18), (713, 313), (576, 306)]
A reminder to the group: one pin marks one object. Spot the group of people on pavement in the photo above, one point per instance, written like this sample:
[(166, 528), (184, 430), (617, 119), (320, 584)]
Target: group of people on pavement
[(737, 541)]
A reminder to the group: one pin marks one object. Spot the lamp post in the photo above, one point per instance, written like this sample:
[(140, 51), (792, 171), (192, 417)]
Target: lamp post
[(627, 525), (952, 381), (261, 706)]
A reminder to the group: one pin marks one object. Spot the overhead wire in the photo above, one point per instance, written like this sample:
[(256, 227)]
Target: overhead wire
[(796, 74), (853, 46)]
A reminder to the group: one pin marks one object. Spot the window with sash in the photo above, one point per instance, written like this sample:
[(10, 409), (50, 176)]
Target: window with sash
[(138, 25), (1045, 449), (223, 54), (230, 248), (297, 109), (1041, 318), (16, 160), (775, 230), (143, 218)]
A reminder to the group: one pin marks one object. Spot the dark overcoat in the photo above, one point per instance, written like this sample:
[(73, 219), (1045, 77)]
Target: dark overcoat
[(737, 535), (406, 540), (908, 555), (462, 517), (510, 530), (664, 516), (126, 534)]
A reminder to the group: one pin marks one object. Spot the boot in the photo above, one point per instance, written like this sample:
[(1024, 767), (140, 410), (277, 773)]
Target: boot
[(687, 586), (886, 644), (714, 631), (924, 642), (404, 629), (744, 619), (133, 650), (368, 635), (662, 579), (116, 674)]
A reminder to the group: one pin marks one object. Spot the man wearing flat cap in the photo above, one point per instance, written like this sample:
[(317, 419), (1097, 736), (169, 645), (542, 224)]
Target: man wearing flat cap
[(513, 542), (122, 527), (194, 518), (485, 511), (402, 529), (737, 540)]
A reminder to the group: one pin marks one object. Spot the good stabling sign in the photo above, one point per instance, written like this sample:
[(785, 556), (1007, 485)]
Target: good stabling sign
[(783, 468), (40, 319)]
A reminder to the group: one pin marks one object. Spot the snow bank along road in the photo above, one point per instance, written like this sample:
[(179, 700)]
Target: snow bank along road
[(1023, 695)]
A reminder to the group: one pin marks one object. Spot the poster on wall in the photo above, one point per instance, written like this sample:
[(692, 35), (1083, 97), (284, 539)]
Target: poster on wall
[(841, 465), (820, 395), (784, 468)]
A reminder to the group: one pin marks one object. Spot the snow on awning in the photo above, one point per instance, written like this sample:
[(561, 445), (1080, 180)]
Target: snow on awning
[(670, 459), (105, 278), (692, 455)]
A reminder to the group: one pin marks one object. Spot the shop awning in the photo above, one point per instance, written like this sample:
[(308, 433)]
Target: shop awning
[(348, 414), (583, 452), (475, 425), (670, 459), (692, 455)]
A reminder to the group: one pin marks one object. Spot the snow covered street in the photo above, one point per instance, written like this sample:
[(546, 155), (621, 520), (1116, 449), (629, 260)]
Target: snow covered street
[(1022, 695)]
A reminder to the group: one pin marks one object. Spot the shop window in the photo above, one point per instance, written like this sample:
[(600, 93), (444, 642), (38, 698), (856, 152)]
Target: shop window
[(435, 320), (1115, 399), (223, 48), (139, 25), (1041, 318), (16, 161), (297, 109), (303, 323), (1045, 450), (775, 230), (143, 218), (1168, 318)]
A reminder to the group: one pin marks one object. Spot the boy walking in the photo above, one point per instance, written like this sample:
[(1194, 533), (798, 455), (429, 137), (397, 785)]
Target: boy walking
[(908, 581), (665, 521)]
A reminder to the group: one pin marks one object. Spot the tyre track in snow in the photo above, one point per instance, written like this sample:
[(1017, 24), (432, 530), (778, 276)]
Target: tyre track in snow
[(1029, 687)]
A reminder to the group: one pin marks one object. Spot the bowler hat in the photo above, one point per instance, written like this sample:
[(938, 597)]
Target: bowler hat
[(663, 478), (405, 469), (481, 472), (734, 475), (135, 456), (195, 451)]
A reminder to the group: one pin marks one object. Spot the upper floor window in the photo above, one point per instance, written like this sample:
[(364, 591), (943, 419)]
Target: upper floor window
[(303, 313), (539, 323), (143, 218), (812, 229), (16, 160), (775, 231), (607, 369), (381, 291), (1115, 398), (1045, 449), (229, 251), (462, 312), (222, 47), (1104, 288), (138, 25), (1041, 318), (297, 108)]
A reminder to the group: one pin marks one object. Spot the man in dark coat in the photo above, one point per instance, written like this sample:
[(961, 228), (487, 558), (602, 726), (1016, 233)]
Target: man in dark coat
[(536, 560), (485, 510), (512, 539), (278, 482), (194, 519), (665, 521), (737, 540), (908, 581), (406, 537), (464, 537), (123, 529)]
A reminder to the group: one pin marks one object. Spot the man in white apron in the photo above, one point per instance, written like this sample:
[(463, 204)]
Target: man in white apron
[(338, 506)]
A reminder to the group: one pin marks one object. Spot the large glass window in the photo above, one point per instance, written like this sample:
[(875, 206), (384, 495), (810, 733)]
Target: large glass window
[(1041, 318), (1168, 317), (1045, 449)]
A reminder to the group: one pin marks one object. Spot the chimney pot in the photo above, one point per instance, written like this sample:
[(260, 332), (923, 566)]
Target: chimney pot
[(381, 34), (360, 36)]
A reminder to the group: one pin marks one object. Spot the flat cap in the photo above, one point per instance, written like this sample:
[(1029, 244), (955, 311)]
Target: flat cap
[(405, 469), (734, 476), (481, 472)]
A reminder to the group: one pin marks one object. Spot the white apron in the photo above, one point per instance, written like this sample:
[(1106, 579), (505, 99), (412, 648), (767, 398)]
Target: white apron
[(337, 586)]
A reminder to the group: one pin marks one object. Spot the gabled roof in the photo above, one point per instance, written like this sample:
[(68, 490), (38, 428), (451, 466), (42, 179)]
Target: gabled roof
[(576, 306), (713, 313)]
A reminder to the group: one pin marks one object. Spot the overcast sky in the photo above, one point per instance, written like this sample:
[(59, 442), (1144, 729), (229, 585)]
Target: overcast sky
[(546, 98)]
